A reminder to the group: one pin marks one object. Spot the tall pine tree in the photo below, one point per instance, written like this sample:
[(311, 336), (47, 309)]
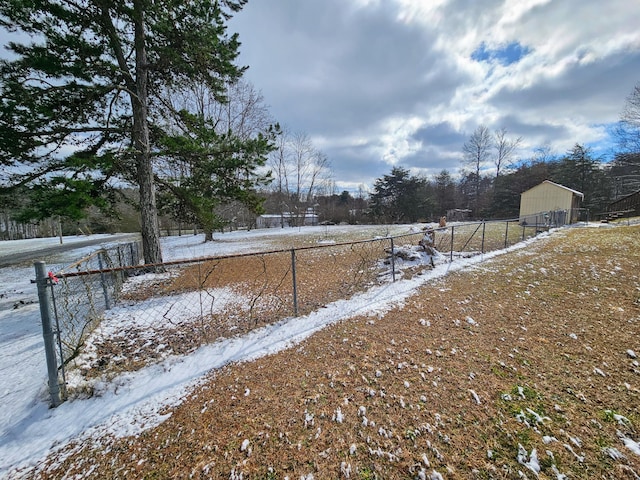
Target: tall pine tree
[(77, 98)]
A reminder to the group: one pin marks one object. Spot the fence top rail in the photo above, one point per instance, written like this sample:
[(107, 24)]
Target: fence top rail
[(151, 266), (186, 261), (96, 254), (83, 260), (476, 222)]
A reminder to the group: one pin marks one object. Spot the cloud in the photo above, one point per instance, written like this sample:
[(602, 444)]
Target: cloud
[(338, 68), (380, 83)]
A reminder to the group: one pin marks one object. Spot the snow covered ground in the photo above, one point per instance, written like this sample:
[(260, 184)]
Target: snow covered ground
[(29, 429)]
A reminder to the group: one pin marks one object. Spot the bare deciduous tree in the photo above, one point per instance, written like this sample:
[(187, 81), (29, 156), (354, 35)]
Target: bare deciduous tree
[(477, 151), (504, 148), (300, 170), (478, 148), (628, 131), (279, 161)]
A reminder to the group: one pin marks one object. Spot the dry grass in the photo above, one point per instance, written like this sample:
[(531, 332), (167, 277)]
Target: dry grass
[(262, 282), (527, 351)]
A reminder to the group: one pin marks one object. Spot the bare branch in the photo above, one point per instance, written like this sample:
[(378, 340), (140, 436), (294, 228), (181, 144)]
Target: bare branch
[(504, 149)]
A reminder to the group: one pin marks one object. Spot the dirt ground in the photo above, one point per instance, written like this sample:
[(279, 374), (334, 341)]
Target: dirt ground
[(522, 367)]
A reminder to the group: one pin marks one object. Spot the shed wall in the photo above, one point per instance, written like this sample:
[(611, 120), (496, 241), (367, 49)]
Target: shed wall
[(545, 197)]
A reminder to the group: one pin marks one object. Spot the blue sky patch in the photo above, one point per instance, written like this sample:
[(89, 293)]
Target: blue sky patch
[(604, 149), (505, 54)]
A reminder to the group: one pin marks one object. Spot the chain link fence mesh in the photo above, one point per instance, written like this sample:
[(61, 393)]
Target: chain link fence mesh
[(139, 313), (86, 289)]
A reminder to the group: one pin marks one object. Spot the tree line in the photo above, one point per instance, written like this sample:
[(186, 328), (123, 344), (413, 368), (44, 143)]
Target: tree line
[(491, 180), (486, 196)]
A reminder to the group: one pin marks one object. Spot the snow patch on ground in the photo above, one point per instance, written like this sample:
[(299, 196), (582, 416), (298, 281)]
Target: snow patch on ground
[(134, 401)]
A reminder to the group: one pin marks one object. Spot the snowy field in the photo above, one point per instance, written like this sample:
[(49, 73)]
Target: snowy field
[(29, 429)]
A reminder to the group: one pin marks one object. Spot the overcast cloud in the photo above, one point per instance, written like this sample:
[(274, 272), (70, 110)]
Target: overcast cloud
[(378, 83)]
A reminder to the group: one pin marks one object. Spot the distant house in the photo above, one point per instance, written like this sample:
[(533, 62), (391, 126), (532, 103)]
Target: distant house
[(458, 215), (285, 220), (550, 203), (270, 221)]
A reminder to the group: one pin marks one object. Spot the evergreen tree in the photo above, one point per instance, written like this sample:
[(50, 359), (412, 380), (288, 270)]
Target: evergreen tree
[(78, 101), (580, 171), (210, 155), (216, 169), (400, 197), (509, 187), (444, 193), (475, 194)]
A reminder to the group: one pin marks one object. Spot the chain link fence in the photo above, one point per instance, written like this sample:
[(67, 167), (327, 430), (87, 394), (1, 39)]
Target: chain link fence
[(554, 218), (137, 314), (73, 302), (88, 288)]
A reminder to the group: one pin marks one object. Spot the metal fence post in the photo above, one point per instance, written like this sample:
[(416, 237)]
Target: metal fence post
[(295, 286), (393, 262), (44, 298), (451, 254), (134, 256), (484, 226), (103, 281), (506, 234)]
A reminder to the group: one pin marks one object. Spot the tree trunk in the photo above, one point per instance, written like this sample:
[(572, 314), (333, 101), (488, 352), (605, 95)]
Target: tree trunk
[(149, 216)]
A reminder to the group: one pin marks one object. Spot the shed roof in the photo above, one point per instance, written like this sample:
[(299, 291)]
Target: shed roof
[(575, 192)]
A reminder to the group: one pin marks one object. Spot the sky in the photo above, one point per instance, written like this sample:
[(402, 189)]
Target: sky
[(383, 83)]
